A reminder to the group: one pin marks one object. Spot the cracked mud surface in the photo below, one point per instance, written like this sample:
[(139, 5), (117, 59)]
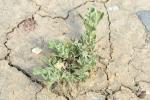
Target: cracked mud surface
[(122, 72)]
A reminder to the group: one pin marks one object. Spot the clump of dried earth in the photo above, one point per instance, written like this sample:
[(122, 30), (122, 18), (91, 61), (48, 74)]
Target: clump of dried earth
[(123, 46)]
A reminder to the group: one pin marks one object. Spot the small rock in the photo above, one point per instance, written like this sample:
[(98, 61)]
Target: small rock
[(113, 8), (36, 50), (144, 16), (60, 66), (141, 94)]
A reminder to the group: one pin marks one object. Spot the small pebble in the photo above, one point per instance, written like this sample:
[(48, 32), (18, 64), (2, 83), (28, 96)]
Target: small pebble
[(141, 94), (113, 8), (36, 50), (60, 66), (144, 17)]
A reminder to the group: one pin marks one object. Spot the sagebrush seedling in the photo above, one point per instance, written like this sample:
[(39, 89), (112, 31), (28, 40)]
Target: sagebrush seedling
[(73, 60)]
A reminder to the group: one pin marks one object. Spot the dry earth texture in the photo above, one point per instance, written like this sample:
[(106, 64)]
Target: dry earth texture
[(123, 46)]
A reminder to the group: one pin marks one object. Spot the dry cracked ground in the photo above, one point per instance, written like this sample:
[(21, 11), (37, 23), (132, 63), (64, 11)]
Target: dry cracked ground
[(123, 46)]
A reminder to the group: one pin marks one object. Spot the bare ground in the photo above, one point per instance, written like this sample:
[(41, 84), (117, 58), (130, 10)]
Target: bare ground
[(122, 70)]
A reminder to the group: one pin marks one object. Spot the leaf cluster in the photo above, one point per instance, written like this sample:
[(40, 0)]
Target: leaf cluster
[(72, 60)]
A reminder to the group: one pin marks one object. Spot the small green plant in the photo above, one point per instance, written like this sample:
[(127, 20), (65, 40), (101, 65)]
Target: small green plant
[(72, 60)]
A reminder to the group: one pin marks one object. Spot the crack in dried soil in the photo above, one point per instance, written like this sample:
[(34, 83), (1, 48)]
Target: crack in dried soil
[(68, 13), (7, 57), (143, 81), (105, 92), (38, 93), (111, 49), (110, 42), (118, 90), (131, 60)]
